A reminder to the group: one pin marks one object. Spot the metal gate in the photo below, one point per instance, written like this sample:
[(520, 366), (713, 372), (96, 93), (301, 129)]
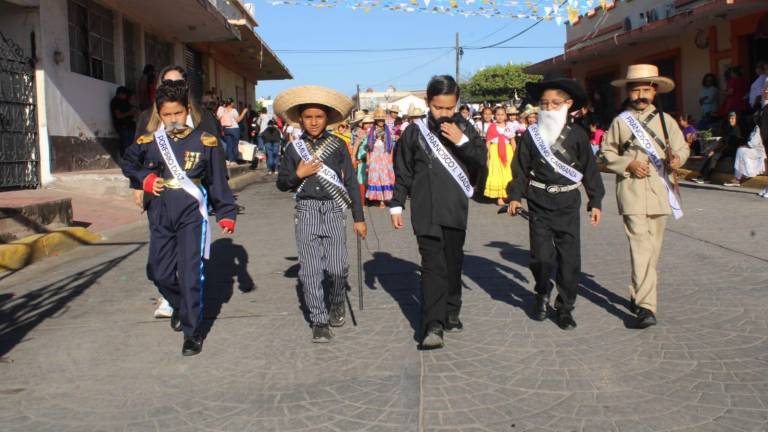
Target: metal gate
[(19, 155)]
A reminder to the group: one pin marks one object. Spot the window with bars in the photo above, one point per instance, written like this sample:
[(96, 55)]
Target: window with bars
[(91, 39)]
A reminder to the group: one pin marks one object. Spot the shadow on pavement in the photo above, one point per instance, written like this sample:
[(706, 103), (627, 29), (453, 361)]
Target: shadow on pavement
[(400, 279), (20, 315), (493, 276), (488, 273), (228, 263), (606, 299), (292, 272)]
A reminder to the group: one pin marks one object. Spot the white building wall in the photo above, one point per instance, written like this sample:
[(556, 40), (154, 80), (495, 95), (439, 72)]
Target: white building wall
[(77, 105)]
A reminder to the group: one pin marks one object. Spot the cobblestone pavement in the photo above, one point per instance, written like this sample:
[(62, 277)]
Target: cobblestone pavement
[(81, 351)]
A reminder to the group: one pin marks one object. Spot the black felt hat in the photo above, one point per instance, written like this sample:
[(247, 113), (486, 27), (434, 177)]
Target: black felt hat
[(568, 85)]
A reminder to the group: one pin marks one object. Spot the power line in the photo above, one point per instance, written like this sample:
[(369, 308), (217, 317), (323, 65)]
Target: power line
[(368, 51), (359, 50), (518, 34), (432, 60)]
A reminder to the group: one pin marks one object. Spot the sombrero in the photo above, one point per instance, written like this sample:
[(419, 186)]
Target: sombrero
[(287, 103), (359, 116), (379, 114), (570, 86), (529, 110), (414, 111), (646, 73)]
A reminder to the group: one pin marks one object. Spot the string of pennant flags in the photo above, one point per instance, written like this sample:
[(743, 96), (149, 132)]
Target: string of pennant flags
[(559, 11)]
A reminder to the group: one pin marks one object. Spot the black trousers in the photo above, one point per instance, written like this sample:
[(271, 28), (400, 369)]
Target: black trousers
[(175, 264), (442, 258), (556, 246)]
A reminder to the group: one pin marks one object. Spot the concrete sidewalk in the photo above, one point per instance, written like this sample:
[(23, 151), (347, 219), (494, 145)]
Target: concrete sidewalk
[(79, 349), (101, 202)]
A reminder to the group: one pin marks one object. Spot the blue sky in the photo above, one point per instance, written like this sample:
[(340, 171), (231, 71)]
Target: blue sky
[(306, 28)]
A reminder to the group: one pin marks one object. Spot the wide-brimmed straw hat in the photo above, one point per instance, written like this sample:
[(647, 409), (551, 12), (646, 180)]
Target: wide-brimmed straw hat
[(414, 111), (379, 114), (512, 110), (568, 85), (646, 73), (529, 110), (358, 117), (394, 109), (368, 118), (287, 103)]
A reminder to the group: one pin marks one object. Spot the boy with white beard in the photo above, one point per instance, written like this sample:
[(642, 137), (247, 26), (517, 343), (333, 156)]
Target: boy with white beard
[(553, 159)]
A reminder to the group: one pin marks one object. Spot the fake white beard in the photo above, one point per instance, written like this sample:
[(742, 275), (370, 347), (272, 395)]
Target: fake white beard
[(551, 123)]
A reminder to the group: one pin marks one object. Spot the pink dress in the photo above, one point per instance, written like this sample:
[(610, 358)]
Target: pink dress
[(381, 174)]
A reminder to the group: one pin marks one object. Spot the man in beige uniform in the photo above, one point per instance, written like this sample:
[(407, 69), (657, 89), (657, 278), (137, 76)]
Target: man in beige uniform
[(635, 149)]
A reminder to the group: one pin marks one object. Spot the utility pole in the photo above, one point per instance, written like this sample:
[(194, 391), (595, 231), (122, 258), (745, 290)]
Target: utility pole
[(458, 56), (358, 97)]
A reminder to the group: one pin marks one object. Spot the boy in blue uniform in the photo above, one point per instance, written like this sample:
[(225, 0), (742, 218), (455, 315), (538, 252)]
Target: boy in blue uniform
[(180, 169)]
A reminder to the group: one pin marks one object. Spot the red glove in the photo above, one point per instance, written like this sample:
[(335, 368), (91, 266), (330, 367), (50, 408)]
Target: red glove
[(149, 182), (228, 224)]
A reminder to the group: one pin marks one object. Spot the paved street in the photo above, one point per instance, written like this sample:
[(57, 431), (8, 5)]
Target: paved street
[(81, 351)]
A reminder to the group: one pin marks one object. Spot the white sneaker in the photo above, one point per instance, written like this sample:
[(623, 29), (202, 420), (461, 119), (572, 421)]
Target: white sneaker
[(164, 309), (732, 183), (763, 193)]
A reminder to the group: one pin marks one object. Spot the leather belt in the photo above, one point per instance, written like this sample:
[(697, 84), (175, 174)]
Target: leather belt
[(554, 189), (172, 183)]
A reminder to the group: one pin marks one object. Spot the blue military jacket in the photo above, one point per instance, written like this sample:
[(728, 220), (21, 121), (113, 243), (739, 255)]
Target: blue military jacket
[(198, 153)]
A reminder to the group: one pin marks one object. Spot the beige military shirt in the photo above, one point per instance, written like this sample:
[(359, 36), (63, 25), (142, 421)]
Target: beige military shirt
[(648, 195)]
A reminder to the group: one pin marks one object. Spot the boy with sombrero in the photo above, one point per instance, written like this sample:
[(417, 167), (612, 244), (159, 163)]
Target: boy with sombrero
[(643, 146), (553, 160), (318, 167)]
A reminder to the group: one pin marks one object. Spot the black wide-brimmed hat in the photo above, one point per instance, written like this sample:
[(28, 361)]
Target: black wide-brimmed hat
[(568, 85)]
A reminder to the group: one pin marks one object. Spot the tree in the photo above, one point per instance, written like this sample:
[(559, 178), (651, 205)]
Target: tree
[(497, 83)]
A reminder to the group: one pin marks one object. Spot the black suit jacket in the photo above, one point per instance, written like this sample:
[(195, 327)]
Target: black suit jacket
[(436, 199), (529, 164)]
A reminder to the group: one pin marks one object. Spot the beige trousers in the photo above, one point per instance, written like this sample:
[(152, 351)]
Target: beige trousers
[(646, 235)]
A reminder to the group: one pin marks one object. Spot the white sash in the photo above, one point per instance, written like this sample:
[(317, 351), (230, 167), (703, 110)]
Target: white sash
[(180, 175), (325, 172), (646, 143), (561, 167), (446, 159)]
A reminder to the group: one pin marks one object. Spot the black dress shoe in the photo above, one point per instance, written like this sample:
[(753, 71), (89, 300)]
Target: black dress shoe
[(632, 306), (192, 345), (565, 320), (540, 307), (176, 320), (433, 338), (453, 324), (645, 318)]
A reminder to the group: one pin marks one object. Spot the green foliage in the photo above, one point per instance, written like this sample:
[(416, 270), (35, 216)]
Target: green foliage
[(497, 83)]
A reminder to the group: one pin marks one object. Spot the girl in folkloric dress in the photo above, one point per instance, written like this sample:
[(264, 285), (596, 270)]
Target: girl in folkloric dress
[(381, 174), (361, 153), (501, 148)]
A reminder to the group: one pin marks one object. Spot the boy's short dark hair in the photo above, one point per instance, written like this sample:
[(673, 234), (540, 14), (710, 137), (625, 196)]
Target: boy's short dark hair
[(172, 91)]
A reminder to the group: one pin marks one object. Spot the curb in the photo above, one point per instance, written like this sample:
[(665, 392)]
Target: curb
[(18, 254), (240, 182), (758, 182), (23, 252)]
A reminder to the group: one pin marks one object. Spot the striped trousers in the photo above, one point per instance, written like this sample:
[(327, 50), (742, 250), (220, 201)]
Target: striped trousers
[(321, 240)]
